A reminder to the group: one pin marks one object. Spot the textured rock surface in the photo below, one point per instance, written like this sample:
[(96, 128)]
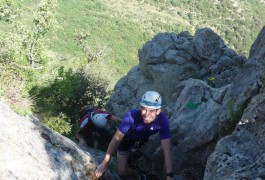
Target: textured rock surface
[(205, 87), (31, 151), (214, 100), (241, 154)]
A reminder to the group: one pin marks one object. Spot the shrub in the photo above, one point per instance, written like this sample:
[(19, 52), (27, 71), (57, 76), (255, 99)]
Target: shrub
[(7, 11), (66, 94), (234, 115), (60, 124), (43, 21)]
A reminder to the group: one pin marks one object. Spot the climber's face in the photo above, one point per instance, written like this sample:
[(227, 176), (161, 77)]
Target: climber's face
[(149, 114)]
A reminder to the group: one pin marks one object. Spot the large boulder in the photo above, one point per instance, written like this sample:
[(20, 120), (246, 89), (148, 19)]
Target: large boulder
[(241, 154), (30, 150), (205, 87)]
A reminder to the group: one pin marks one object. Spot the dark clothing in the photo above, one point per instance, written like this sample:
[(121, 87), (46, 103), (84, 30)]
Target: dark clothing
[(101, 135), (128, 144)]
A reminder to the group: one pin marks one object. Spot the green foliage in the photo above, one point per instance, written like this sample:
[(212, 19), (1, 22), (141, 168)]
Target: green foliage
[(234, 115), (42, 22), (11, 47), (25, 41), (222, 16), (14, 86), (66, 94), (211, 81), (92, 53), (99, 39), (7, 11), (60, 124), (8, 48)]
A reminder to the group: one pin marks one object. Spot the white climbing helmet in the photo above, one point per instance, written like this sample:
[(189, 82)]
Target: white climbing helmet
[(99, 120), (151, 99)]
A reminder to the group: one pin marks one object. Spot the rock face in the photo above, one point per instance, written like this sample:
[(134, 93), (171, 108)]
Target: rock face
[(31, 151), (214, 100), (205, 88), (241, 155)]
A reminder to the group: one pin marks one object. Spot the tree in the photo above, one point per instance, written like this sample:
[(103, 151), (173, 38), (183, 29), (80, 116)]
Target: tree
[(43, 21)]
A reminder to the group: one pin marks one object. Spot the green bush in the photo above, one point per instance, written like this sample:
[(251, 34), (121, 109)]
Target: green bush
[(7, 11), (234, 115), (65, 95), (13, 86), (29, 35), (60, 124)]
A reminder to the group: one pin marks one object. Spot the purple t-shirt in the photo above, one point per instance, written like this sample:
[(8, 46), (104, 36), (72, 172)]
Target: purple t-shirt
[(133, 126)]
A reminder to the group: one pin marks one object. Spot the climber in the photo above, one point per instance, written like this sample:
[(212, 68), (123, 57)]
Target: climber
[(137, 126), (93, 127)]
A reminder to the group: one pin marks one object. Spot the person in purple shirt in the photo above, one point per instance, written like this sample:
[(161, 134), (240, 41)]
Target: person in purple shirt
[(137, 126)]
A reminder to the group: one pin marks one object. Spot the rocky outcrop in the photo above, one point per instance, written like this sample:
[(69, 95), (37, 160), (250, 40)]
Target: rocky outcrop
[(205, 88), (214, 100), (241, 154), (30, 150)]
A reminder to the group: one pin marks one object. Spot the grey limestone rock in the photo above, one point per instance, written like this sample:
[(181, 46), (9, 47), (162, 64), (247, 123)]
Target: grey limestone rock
[(205, 87)]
